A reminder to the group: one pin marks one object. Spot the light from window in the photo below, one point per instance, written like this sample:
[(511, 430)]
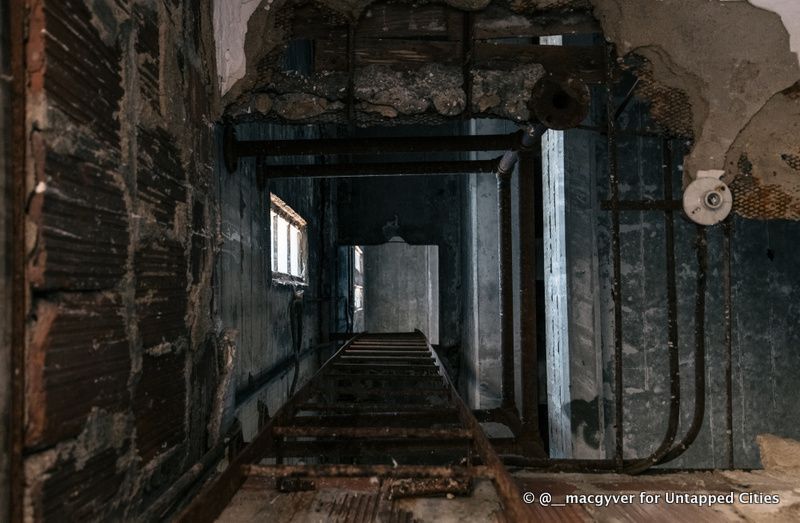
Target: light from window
[(288, 242), (358, 297), (359, 259)]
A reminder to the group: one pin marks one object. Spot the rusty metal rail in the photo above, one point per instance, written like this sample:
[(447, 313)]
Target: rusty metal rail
[(382, 407)]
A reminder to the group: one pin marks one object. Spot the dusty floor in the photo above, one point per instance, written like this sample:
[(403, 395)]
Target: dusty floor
[(360, 500)]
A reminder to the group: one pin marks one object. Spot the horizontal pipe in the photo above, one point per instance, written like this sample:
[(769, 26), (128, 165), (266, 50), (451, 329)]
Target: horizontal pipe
[(378, 145), (371, 448), (380, 169), (371, 432)]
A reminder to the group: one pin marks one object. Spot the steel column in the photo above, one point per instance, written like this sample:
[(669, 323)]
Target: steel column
[(529, 177), (505, 288)]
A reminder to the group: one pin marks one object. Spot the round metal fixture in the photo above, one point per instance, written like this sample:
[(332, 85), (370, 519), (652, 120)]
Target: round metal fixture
[(560, 103), (707, 200)]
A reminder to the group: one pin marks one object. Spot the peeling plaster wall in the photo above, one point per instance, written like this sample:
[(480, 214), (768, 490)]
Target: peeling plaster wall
[(230, 28), (731, 59), (789, 11), (726, 85), (121, 360)]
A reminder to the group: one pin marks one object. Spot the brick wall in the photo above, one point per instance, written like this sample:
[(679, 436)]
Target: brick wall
[(121, 359)]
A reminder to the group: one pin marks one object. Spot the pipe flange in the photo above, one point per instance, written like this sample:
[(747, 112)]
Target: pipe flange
[(707, 200), (560, 103)]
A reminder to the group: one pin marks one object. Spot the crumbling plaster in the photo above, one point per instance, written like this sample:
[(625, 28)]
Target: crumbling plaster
[(730, 57), (230, 28)]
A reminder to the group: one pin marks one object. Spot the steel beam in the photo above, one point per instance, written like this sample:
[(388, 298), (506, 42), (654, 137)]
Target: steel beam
[(377, 145), (351, 170)]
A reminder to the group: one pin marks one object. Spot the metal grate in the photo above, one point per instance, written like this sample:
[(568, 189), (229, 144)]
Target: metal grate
[(670, 108)]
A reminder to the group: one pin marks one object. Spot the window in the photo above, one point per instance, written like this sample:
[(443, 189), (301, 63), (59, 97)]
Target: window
[(358, 298), (358, 279), (288, 242), (358, 260)]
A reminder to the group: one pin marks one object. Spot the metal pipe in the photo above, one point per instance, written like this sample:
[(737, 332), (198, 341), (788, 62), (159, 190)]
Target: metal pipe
[(506, 278), (700, 352), (615, 253), (380, 169), (529, 171), (378, 145), (505, 168), (672, 324), (728, 313)]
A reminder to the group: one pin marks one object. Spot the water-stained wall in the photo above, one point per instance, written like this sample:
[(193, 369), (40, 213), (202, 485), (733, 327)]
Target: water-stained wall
[(251, 307)]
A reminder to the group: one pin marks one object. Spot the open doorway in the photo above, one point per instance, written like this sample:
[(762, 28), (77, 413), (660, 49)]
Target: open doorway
[(402, 288)]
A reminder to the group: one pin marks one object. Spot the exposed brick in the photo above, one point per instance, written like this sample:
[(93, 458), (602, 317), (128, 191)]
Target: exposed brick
[(84, 232), (199, 240), (147, 57), (82, 77), (82, 494), (161, 294), (205, 378), (160, 404), (79, 358), (160, 178)]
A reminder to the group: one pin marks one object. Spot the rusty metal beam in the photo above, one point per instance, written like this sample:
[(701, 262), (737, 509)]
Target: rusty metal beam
[(350, 170), (350, 471), (445, 449), (211, 501), (507, 488), (403, 419), (377, 145), (371, 432)]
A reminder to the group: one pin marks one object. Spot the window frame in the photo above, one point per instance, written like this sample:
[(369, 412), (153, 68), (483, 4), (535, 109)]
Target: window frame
[(280, 209)]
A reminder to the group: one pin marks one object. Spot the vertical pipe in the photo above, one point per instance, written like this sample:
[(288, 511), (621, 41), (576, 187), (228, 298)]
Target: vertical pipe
[(528, 178), (701, 247), (672, 323), (505, 291), (728, 312), (615, 253)]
